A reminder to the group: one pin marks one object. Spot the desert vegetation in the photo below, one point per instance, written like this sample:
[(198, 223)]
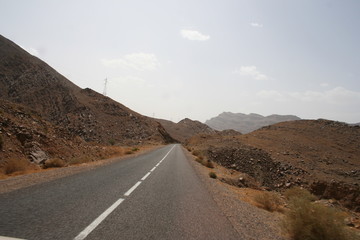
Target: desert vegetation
[(212, 175), (54, 163), (15, 165), (306, 219), (269, 201)]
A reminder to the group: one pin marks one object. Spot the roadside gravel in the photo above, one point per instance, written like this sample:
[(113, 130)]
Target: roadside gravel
[(249, 221)]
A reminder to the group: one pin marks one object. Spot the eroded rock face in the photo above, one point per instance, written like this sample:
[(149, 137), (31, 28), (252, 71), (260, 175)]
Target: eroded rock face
[(38, 156), (348, 195), (256, 163)]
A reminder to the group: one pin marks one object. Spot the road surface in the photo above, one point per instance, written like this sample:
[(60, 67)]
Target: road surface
[(153, 196)]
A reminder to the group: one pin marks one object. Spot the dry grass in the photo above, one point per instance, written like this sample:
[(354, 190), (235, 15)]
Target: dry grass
[(199, 160), (311, 221), (17, 165), (54, 163), (208, 163), (80, 160), (297, 192), (196, 153), (269, 201)]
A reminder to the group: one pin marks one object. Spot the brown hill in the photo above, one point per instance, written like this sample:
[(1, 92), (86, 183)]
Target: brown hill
[(320, 155), (246, 123), (28, 142), (185, 129), (26, 80)]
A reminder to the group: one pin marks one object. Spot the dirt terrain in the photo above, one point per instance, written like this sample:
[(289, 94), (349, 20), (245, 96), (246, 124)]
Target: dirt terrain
[(185, 129), (26, 80), (320, 155), (47, 121)]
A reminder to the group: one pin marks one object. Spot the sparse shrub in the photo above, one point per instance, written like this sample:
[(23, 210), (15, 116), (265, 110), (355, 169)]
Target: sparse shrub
[(13, 165), (135, 149), (208, 163), (297, 192), (212, 175), (269, 201), (196, 153), (54, 163), (79, 160), (112, 142), (199, 160), (311, 221)]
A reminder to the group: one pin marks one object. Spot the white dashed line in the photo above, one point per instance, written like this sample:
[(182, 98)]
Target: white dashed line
[(98, 220), (132, 189), (101, 218), (144, 177)]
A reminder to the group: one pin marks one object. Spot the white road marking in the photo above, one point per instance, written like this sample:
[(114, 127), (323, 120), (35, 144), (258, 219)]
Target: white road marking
[(98, 220), (10, 238), (146, 175), (101, 218), (132, 189)]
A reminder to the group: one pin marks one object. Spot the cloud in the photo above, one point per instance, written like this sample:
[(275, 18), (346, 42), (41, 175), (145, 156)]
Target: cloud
[(252, 72), (31, 50), (194, 35), (257, 25), (270, 94), (337, 96), (134, 61), (324, 84)]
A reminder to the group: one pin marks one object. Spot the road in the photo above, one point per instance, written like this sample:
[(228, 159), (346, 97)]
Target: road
[(153, 196)]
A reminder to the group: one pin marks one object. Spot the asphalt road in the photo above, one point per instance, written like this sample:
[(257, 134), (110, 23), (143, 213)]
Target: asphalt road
[(153, 196)]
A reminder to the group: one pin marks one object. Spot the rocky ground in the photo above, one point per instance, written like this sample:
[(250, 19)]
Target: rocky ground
[(320, 155)]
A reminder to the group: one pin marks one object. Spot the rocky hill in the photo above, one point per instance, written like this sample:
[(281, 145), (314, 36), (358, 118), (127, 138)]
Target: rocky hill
[(26, 80), (320, 155), (246, 123), (185, 129), (44, 116)]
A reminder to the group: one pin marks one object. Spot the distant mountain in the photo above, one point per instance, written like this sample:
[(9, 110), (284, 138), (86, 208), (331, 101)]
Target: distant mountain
[(246, 123), (27, 80), (185, 129)]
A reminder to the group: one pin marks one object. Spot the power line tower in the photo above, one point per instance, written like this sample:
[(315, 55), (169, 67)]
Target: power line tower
[(105, 87)]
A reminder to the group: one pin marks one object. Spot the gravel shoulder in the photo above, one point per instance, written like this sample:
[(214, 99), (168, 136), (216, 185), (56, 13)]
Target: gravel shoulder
[(249, 221), (21, 181)]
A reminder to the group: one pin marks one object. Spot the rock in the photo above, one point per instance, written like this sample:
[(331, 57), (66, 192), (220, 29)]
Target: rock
[(37, 155)]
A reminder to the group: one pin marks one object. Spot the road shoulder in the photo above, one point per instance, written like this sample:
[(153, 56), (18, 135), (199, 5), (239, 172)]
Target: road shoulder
[(22, 181), (248, 220)]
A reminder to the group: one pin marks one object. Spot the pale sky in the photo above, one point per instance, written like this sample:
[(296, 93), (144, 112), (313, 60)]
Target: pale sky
[(175, 59)]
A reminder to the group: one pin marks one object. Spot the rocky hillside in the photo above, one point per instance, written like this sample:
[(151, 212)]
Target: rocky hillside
[(26, 80), (320, 155), (185, 129), (246, 123)]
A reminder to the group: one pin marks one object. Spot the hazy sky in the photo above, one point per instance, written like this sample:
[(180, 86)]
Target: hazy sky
[(175, 59)]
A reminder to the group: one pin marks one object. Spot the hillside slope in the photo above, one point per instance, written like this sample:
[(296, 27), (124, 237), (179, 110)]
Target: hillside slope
[(320, 155), (246, 123), (185, 129), (25, 79)]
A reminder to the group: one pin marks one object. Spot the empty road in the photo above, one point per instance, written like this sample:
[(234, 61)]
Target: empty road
[(153, 196)]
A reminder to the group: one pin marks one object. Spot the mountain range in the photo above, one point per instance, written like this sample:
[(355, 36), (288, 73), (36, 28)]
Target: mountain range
[(246, 123)]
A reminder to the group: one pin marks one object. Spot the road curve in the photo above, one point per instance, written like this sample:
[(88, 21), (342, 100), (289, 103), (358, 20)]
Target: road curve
[(153, 196)]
